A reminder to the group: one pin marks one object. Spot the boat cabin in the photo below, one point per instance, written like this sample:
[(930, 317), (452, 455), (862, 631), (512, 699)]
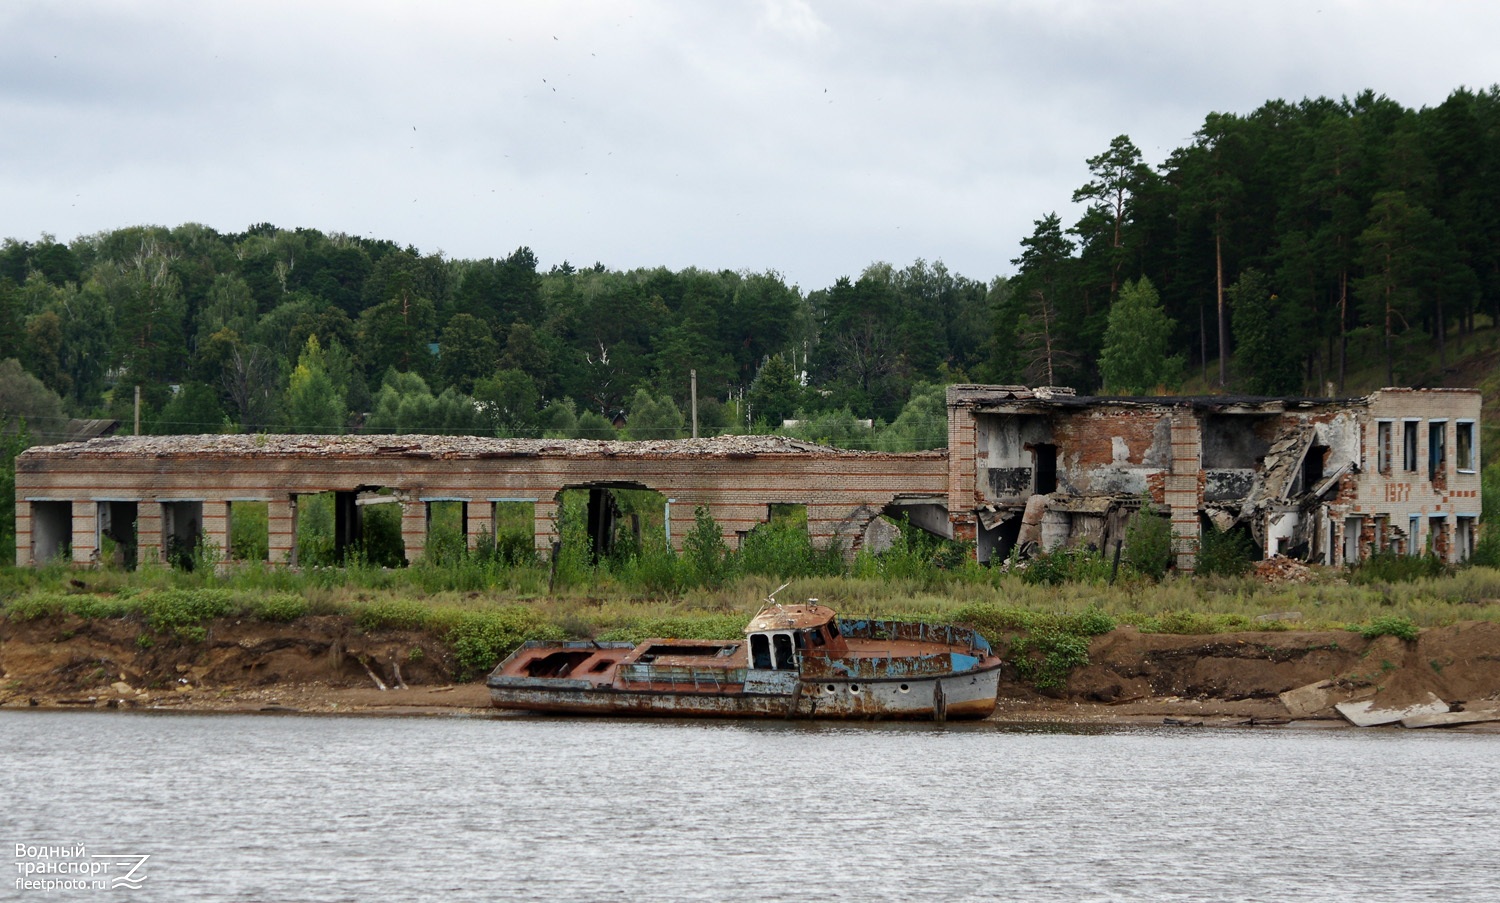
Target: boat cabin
[(780, 635)]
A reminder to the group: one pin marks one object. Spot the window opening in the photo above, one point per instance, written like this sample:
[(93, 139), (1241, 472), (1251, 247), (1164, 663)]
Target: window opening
[(1437, 451), (785, 659), (1383, 446), (1463, 447), (1312, 467), (1044, 468), (760, 652)]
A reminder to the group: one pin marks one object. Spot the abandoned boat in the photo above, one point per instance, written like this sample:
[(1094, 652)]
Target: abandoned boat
[(795, 661)]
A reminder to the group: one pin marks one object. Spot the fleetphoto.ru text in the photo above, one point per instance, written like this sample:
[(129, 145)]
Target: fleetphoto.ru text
[(73, 867)]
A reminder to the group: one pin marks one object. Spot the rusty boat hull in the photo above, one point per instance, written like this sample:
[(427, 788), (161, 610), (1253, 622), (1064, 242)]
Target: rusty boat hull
[(866, 670)]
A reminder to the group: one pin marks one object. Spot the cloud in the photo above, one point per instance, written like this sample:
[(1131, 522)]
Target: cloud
[(757, 134)]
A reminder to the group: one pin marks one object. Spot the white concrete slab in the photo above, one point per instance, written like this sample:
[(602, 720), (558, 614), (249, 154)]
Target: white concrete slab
[(1472, 715), (1366, 713)]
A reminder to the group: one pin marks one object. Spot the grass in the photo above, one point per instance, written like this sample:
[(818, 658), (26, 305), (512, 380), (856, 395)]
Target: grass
[(483, 606)]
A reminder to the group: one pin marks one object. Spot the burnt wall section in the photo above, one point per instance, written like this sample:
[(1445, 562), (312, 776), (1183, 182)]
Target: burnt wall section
[(735, 478)]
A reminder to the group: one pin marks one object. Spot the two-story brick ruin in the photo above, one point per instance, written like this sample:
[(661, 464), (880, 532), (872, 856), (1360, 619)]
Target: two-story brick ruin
[(1327, 480)]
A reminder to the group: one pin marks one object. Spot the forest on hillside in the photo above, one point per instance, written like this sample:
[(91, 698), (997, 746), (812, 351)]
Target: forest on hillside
[(1278, 253)]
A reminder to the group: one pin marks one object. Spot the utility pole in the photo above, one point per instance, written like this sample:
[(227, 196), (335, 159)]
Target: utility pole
[(693, 373), (137, 410)]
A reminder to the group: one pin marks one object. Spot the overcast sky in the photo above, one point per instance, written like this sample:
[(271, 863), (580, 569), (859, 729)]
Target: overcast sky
[(809, 138)]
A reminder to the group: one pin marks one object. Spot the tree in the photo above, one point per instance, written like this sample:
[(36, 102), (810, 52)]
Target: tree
[(313, 403), (24, 400), (405, 404), (250, 381), (44, 351), (1263, 346), (508, 399), (1395, 254), (1108, 193), (776, 393), (229, 305), (653, 418), (14, 439), (466, 351), (88, 335), (396, 333), (922, 424), (149, 313), (1212, 188), (1135, 359), (1044, 282), (559, 420), (193, 409)]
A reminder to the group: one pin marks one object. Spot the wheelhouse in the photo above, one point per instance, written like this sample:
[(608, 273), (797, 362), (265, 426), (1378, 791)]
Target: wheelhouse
[(781, 636)]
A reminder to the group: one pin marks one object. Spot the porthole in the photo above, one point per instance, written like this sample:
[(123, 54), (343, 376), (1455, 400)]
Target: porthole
[(854, 688), (832, 688), (905, 688)]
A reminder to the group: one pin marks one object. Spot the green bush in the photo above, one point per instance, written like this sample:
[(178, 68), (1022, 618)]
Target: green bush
[(90, 606), (248, 527), (280, 607), (572, 565), (1067, 566), (394, 614), (1089, 622), (654, 567), (1391, 567), (182, 611), (381, 545), (37, 605), (481, 639), (1389, 625), (1148, 543), (705, 551), (1225, 553), (1046, 658), (1194, 622)]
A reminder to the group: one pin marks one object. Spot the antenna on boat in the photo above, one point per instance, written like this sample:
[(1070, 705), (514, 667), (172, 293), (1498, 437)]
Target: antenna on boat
[(771, 599)]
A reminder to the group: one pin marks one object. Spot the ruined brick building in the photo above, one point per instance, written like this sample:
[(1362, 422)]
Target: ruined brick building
[(1328, 480)]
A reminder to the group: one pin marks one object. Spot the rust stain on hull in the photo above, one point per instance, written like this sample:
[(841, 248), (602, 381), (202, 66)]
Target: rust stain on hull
[(794, 662)]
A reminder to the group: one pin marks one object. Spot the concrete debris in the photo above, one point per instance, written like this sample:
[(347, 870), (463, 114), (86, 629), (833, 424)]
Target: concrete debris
[(1307, 701), (444, 447), (881, 535), (1479, 714), (1366, 714)]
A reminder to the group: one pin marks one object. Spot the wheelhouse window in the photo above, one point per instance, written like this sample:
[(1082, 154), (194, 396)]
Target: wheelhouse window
[(786, 660), (760, 652)]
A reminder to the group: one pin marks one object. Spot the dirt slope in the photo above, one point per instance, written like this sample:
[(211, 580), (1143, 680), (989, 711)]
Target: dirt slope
[(327, 664)]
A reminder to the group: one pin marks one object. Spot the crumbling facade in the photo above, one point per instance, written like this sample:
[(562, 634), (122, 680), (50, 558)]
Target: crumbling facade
[(1327, 480), (154, 493)]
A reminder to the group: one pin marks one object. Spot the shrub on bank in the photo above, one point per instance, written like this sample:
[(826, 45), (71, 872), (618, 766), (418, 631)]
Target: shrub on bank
[(1392, 567), (1390, 625)]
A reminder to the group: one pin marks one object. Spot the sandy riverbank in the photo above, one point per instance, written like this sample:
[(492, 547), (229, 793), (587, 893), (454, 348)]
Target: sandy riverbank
[(324, 665)]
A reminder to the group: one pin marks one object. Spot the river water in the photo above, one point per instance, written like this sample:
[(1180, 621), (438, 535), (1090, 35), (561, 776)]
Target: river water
[(284, 807)]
